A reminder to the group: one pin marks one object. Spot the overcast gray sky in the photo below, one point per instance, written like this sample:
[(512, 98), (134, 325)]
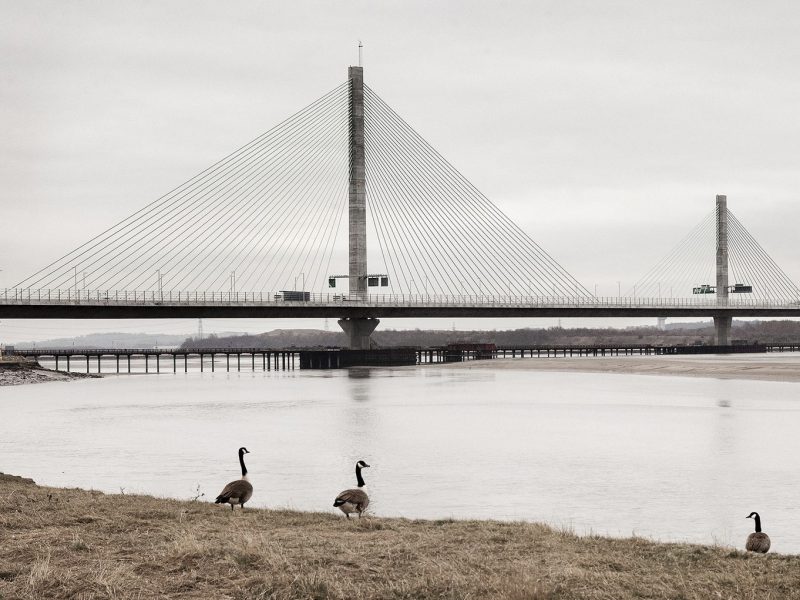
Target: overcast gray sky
[(604, 129)]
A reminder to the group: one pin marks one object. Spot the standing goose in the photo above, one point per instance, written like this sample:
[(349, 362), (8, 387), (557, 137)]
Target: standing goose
[(239, 491), (757, 541), (354, 499)]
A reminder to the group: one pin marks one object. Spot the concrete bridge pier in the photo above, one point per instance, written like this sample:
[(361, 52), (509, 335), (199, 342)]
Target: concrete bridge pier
[(359, 332), (722, 330)]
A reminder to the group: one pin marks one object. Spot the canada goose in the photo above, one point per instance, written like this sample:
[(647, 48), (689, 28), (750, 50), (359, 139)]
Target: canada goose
[(354, 499), (757, 541), (239, 491)]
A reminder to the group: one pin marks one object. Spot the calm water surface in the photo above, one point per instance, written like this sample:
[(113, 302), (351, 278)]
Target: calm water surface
[(663, 457)]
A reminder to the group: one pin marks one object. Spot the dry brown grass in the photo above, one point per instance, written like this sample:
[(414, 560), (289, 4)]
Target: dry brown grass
[(59, 543)]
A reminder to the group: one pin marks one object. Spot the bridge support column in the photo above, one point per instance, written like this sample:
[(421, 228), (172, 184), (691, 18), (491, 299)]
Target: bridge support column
[(722, 325), (359, 331), (722, 330)]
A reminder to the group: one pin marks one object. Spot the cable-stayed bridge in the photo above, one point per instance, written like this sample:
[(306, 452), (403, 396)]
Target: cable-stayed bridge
[(262, 233)]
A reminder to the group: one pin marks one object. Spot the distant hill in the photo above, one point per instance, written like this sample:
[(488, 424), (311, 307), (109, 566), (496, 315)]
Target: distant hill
[(277, 338), (674, 333), (694, 333), (109, 340), (687, 326)]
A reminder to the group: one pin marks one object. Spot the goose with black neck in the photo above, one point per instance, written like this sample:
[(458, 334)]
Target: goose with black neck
[(758, 541), (354, 500), (238, 491)]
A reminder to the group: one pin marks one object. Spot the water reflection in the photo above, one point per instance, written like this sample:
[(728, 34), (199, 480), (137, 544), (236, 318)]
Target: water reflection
[(358, 380)]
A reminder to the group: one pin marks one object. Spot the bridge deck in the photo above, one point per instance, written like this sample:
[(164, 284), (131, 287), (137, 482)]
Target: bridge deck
[(55, 304)]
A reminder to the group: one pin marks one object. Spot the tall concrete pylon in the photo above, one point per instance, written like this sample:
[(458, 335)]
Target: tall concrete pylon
[(358, 330), (357, 191), (722, 324)]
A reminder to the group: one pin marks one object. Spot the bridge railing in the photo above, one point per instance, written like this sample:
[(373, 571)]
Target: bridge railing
[(74, 297)]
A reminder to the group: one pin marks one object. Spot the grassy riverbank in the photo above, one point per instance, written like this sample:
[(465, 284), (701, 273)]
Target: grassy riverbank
[(68, 543)]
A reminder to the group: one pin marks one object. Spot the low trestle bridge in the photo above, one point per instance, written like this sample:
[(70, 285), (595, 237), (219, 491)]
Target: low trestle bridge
[(271, 359)]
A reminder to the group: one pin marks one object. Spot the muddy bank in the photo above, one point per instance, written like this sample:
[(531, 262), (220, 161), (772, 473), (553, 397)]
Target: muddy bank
[(765, 367), (21, 372)]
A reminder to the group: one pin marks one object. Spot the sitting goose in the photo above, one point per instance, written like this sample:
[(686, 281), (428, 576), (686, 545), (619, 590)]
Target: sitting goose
[(239, 491), (757, 541), (354, 499)]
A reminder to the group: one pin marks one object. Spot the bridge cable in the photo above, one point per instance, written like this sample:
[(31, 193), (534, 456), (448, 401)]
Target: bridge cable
[(165, 199), (430, 208), (470, 211), (84, 266), (457, 180)]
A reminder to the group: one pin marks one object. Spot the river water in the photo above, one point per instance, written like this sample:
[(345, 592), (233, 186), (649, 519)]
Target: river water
[(662, 457)]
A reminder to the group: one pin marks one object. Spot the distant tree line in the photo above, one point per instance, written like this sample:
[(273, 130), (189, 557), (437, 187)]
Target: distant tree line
[(768, 332)]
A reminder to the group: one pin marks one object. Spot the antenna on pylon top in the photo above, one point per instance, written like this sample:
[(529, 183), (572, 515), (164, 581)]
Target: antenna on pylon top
[(360, 46)]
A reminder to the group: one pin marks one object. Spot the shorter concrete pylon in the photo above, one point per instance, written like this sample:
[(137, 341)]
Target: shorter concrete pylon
[(359, 331), (722, 325)]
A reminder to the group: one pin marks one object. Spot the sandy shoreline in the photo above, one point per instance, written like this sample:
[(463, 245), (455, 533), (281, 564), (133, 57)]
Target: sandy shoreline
[(765, 367)]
